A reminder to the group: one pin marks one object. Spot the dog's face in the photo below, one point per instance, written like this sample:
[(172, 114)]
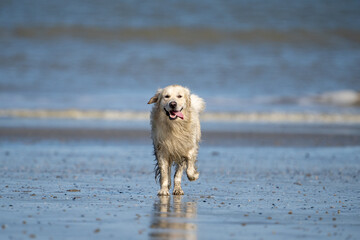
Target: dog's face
[(174, 100)]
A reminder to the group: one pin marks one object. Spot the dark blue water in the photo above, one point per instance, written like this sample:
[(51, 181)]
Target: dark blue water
[(238, 55)]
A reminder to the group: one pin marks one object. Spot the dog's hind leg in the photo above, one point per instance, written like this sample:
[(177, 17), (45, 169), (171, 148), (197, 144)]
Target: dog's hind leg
[(191, 171), (169, 176), (177, 179), (164, 176)]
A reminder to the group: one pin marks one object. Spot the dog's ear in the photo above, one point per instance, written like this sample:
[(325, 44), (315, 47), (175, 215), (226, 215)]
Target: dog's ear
[(155, 98), (188, 98)]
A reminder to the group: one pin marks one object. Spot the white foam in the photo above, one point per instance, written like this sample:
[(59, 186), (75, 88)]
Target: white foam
[(342, 97), (238, 117)]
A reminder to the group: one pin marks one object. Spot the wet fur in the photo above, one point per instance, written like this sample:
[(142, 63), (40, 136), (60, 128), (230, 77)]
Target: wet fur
[(175, 141)]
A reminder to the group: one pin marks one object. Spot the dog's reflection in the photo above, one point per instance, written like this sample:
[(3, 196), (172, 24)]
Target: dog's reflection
[(173, 221)]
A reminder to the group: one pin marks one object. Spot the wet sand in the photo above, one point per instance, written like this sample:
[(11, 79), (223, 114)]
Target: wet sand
[(287, 135), (99, 184)]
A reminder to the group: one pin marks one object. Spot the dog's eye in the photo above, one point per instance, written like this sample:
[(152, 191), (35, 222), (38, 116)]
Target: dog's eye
[(167, 96), (179, 96)]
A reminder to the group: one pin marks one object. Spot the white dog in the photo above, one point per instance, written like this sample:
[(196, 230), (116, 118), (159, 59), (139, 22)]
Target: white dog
[(175, 131)]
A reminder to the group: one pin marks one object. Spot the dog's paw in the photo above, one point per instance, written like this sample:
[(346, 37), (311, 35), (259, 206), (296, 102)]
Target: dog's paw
[(163, 192), (192, 175), (178, 191)]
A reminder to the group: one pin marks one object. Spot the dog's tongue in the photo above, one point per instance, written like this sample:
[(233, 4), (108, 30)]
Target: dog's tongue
[(179, 114)]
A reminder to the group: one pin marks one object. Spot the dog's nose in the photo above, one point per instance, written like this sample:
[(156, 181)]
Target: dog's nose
[(173, 104)]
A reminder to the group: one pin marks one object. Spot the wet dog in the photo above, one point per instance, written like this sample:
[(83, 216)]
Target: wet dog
[(175, 131)]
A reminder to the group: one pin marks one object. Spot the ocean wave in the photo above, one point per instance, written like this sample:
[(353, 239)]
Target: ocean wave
[(243, 117), (188, 35), (343, 98)]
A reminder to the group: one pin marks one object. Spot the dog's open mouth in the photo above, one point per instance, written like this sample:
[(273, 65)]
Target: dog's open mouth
[(174, 114)]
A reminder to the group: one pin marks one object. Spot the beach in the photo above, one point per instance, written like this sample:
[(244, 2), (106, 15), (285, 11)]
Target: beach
[(99, 184), (280, 150)]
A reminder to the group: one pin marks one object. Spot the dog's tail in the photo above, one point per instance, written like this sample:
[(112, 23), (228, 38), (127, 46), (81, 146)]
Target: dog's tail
[(197, 103), (156, 168), (157, 172)]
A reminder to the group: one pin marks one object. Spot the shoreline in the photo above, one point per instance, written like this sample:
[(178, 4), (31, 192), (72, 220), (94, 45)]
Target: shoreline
[(212, 116)]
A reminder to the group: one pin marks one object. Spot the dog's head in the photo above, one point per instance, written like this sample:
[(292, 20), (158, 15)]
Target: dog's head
[(174, 100)]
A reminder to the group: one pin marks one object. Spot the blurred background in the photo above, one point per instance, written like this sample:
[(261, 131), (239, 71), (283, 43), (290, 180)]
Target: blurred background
[(240, 56)]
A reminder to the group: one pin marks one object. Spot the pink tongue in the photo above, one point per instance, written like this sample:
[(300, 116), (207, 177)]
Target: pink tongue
[(179, 114)]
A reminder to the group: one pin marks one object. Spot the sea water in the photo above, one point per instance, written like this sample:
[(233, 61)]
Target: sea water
[(240, 56)]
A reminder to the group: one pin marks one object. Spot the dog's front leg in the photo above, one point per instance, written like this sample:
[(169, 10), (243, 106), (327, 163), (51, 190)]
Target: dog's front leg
[(191, 171), (164, 177), (177, 179)]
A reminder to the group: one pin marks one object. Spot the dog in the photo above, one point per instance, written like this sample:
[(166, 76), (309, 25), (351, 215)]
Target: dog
[(175, 131)]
